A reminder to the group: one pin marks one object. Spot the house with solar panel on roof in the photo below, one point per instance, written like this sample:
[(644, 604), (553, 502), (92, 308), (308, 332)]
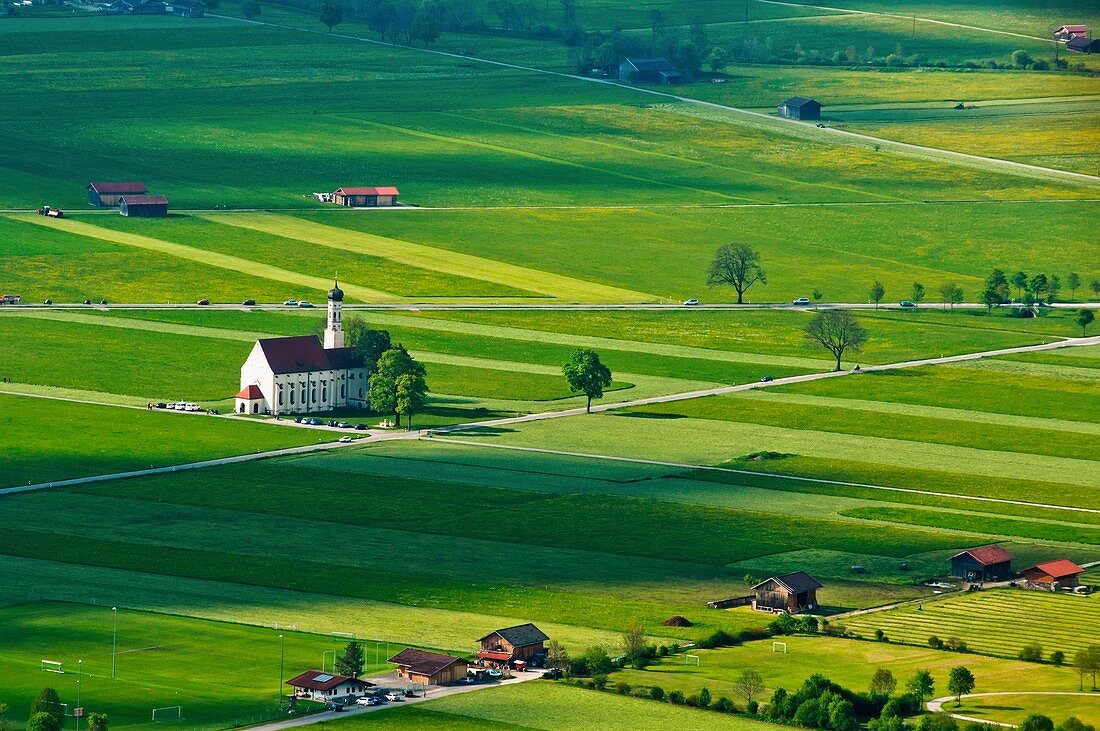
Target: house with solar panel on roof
[(315, 685), (302, 374)]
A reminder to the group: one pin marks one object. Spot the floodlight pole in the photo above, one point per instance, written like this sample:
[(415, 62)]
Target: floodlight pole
[(282, 654), (79, 668), (114, 640)]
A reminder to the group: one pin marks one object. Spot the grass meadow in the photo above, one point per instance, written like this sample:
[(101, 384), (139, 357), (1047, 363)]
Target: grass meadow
[(1015, 708)]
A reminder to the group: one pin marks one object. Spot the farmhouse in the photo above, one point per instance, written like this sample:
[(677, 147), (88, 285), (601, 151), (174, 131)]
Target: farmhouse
[(315, 685), (800, 107), (1071, 31), (510, 644), (378, 197), (297, 375), (430, 668), (139, 7), (109, 194), (143, 206), (1053, 575), (649, 71), (792, 593), (1083, 44), (986, 563), (187, 8)]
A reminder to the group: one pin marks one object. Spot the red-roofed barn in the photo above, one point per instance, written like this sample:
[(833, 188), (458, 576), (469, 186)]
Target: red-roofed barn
[(364, 197), (109, 194), (986, 563), (1053, 575), (143, 206), (1071, 31)]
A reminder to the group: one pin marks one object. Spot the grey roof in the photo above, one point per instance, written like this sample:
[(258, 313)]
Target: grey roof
[(799, 101), (652, 64), (424, 662), (521, 635), (795, 583)]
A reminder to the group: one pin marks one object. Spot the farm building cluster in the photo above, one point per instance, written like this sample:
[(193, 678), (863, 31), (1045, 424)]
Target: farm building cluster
[(512, 648), (991, 564), (131, 198), (1077, 38), (182, 8), (382, 196)]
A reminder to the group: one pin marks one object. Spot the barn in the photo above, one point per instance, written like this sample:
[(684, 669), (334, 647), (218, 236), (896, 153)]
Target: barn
[(800, 107), (1053, 575), (366, 197), (1083, 44), (985, 563), (649, 71), (187, 8), (792, 593), (143, 206), (1071, 31), (507, 645), (429, 668), (108, 194)]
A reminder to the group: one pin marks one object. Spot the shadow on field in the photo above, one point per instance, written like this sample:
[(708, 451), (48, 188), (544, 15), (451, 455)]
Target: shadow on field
[(646, 415), (485, 431)]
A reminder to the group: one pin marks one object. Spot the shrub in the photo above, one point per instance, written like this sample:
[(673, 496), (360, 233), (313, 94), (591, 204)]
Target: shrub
[(935, 643), (639, 693), (721, 638), (1032, 652), (703, 699), (752, 707), (657, 693), (622, 688), (692, 701), (662, 651), (676, 698), (1037, 722), (901, 707), (784, 624), (1074, 724), (881, 636), (1057, 657), (956, 645), (1040, 66), (599, 682), (725, 705)]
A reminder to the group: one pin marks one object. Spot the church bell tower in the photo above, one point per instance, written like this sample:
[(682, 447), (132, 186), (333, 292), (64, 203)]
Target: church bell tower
[(334, 332)]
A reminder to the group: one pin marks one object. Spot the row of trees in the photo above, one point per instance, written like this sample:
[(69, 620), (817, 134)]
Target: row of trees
[(396, 383), (48, 714)]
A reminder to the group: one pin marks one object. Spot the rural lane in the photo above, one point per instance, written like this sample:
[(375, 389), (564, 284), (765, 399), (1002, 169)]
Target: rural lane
[(936, 706), (567, 306)]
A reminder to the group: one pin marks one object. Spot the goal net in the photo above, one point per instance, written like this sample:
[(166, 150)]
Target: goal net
[(52, 666), (168, 713), (779, 647), (691, 659)]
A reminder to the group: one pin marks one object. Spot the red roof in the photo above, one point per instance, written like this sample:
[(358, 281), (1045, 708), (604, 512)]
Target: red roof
[(145, 200), (318, 680), (1060, 569), (1075, 28), (304, 353), (131, 187), (367, 191), (251, 392), (487, 655), (386, 190), (987, 555)]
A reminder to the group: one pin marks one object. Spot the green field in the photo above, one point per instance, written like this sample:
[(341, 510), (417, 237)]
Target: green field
[(1015, 708)]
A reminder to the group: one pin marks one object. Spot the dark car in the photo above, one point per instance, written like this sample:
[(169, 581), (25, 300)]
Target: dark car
[(203, 302), (410, 693), (297, 420), (766, 379), (161, 404), (336, 708), (361, 427), (331, 422), (103, 302), (907, 303), (47, 302), (87, 302), (248, 303)]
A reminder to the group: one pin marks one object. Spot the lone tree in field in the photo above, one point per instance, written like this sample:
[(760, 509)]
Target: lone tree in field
[(883, 683), (47, 701), (736, 265), (634, 646), (922, 685), (877, 293), (332, 14), (748, 685), (382, 386), (959, 683), (1084, 318), (351, 661), (1073, 281), (557, 656), (836, 331), (918, 292), (586, 374)]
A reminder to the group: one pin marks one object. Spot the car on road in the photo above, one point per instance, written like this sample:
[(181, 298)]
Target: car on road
[(410, 693), (291, 303), (316, 422), (691, 302), (336, 707), (907, 303), (767, 379), (160, 404), (47, 302), (87, 302), (203, 302), (103, 302), (343, 425), (820, 125), (361, 427), (305, 304), (345, 439), (191, 407), (367, 700), (248, 303), (393, 695), (801, 301)]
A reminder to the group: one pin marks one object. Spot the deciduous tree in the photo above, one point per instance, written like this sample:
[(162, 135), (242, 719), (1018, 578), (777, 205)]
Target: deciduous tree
[(556, 655), (382, 393), (922, 685), (426, 27), (48, 701), (883, 683), (1094, 285), (738, 266), (837, 331), (1019, 281), (43, 721), (918, 292), (586, 374), (877, 293), (411, 392), (1037, 722), (634, 646), (97, 722), (250, 9), (951, 294), (748, 685), (960, 682), (1084, 318), (1073, 281), (332, 14)]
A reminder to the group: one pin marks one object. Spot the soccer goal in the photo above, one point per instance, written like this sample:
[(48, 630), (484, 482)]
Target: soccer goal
[(779, 647), (691, 659), (325, 661), (168, 713), (52, 666)]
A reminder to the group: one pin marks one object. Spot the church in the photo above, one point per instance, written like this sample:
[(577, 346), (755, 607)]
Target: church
[(299, 375)]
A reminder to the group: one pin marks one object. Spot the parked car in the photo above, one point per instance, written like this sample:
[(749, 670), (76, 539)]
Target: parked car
[(820, 125), (393, 695), (291, 303), (767, 379), (297, 420), (691, 302), (87, 302), (907, 303), (801, 301), (336, 707), (248, 303), (367, 700), (203, 302), (361, 427), (345, 439), (410, 693), (47, 302), (160, 404), (343, 425), (315, 422), (305, 304), (494, 673), (191, 407), (103, 302)]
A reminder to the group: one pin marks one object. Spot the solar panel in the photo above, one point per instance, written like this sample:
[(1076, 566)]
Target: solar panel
[(323, 678)]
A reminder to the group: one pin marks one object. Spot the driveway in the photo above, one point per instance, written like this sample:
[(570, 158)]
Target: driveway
[(936, 706)]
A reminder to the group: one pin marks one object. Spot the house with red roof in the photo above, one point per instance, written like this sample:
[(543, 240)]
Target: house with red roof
[(985, 563), (1053, 575), (316, 685), (365, 197)]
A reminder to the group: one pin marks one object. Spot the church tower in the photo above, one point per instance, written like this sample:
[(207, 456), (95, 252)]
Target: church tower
[(334, 332)]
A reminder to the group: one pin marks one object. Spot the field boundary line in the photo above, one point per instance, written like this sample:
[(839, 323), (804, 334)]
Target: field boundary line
[(711, 468)]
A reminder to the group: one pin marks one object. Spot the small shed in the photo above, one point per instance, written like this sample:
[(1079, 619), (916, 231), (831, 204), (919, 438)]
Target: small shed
[(316, 685), (365, 197), (108, 194), (1053, 575), (985, 563), (1083, 44), (792, 593), (143, 206), (250, 400), (800, 107), (649, 71), (429, 668), (1071, 31), (507, 645), (187, 8)]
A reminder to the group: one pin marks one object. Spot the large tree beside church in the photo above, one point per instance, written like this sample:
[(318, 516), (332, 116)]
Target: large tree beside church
[(368, 343), (397, 385)]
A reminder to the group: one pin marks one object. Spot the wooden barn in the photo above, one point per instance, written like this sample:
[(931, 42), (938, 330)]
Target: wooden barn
[(143, 206), (1053, 575), (800, 107), (187, 8), (365, 197), (985, 563), (649, 71), (792, 593), (109, 194), (1083, 44), (507, 645), (1071, 31), (429, 668)]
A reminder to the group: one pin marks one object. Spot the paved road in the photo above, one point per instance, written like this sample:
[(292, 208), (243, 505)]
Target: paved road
[(437, 692), (936, 705), (574, 306)]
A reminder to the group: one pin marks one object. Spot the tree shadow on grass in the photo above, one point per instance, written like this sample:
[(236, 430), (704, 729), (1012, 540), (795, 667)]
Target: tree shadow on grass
[(646, 415)]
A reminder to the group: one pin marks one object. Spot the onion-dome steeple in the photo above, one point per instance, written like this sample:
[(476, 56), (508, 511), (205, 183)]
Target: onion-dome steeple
[(336, 294)]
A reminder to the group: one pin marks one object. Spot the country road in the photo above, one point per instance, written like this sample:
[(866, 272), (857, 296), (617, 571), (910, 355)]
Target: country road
[(513, 306)]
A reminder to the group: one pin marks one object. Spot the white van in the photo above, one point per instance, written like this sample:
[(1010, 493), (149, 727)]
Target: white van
[(190, 407), (801, 301)]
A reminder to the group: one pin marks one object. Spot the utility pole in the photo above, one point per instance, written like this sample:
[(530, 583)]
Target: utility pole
[(282, 654), (114, 640), (78, 711)]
